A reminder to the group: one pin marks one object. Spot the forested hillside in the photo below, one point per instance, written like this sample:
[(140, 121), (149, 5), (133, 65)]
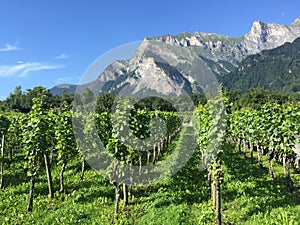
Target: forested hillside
[(276, 69)]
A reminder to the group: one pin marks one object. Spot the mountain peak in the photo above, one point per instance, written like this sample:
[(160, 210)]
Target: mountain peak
[(296, 22), (258, 28), (270, 35), (258, 23)]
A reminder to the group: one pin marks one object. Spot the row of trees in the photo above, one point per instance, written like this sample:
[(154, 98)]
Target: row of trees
[(255, 98), (35, 136), (134, 137), (211, 126), (272, 130), (20, 101)]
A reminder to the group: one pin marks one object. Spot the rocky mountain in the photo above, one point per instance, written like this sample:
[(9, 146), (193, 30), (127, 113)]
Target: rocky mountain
[(219, 47), (188, 62)]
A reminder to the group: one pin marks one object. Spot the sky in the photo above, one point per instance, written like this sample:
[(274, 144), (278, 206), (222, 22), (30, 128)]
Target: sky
[(45, 43)]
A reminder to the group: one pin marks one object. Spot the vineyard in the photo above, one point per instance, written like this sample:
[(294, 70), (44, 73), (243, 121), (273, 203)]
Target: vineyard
[(243, 168)]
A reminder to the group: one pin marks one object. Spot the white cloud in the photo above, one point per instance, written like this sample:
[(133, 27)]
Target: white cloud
[(21, 69), (9, 47), (62, 56)]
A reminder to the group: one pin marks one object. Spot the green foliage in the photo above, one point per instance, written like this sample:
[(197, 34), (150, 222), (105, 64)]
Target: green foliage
[(65, 140), (255, 98), (155, 103), (277, 69), (38, 133), (211, 124), (14, 132), (4, 124), (183, 198), (105, 102), (274, 126), (103, 126), (23, 101)]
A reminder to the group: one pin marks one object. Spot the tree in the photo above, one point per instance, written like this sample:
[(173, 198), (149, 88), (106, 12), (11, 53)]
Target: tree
[(15, 100), (22, 101), (105, 102), (65, 101)]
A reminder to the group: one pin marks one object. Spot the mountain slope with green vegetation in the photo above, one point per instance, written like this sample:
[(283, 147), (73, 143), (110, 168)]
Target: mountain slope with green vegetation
[(276, 69)]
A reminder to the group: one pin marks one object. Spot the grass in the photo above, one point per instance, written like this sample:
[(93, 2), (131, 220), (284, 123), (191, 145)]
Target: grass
[(248, 197)]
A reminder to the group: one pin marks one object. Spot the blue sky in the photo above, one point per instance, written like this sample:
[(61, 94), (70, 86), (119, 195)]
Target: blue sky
[(44, 43)]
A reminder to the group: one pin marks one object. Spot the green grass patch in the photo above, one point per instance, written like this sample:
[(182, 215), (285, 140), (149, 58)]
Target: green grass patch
[(249, 196)]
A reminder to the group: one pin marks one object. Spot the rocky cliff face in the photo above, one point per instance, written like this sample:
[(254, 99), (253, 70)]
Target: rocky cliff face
[(270, 35)]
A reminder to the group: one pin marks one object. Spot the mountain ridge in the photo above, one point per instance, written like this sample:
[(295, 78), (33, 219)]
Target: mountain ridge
[(260, 37), (221, 54)]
